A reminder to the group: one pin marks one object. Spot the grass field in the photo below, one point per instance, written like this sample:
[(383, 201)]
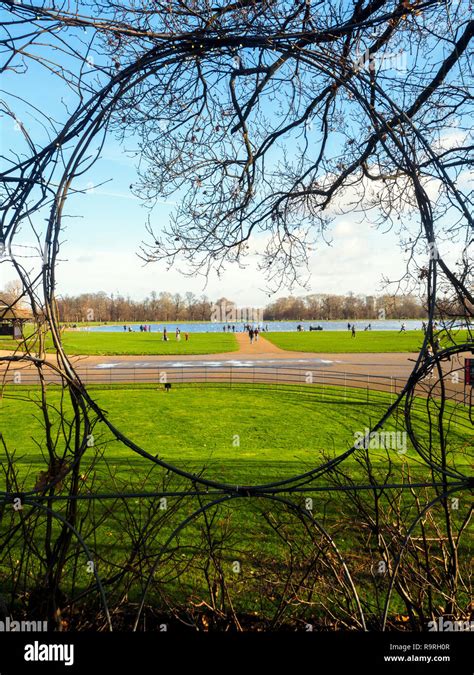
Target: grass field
[(102, 344), (244, 435), (340, 342), (241, 434), (278, 433)]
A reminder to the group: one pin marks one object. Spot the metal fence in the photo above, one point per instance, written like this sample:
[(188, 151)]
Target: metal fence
[(346, 385)]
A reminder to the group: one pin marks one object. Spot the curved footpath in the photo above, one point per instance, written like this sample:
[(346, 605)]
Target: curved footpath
[(260, 353), (257, 362)]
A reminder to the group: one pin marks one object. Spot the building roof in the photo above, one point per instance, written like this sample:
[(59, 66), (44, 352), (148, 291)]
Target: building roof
[(8, 313)]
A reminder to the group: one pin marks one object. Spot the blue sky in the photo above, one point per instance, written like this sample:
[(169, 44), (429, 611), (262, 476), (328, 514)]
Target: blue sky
[(104, 228)]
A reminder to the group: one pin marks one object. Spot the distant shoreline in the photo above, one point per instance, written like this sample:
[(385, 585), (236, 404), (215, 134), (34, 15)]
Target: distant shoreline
[(167, 322)]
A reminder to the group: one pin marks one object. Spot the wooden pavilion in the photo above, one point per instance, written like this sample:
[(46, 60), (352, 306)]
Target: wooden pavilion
[(12, 320)]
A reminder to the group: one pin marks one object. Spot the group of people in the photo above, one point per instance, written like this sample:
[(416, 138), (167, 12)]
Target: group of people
[(177, 334), (253, 334), (247, 327), (146, 328), (424, 326), (301, 328), (143, 328)]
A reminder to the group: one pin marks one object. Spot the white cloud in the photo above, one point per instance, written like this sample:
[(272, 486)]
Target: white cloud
[(451, 138), (355, 261)]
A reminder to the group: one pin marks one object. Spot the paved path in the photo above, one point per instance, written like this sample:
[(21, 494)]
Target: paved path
[(259, 354), (261, 346)]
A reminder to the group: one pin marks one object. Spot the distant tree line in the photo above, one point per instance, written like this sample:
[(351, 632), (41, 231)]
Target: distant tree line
[(166, 306), (329, 307), (155, 307)]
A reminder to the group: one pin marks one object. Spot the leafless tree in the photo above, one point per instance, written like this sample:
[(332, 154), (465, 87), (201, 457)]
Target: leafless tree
[(267, 119)]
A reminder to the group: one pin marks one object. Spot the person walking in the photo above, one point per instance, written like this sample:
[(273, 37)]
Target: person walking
[(256, 334), (353, 331), (251, 335), (165, 335)]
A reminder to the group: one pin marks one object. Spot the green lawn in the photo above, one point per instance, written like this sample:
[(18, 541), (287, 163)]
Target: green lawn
[(340, 342), (246, 435), (241, 434), (136, 343), (102, 344)]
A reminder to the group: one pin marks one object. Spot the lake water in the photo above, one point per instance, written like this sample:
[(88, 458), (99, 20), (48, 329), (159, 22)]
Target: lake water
[(392, 324)]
